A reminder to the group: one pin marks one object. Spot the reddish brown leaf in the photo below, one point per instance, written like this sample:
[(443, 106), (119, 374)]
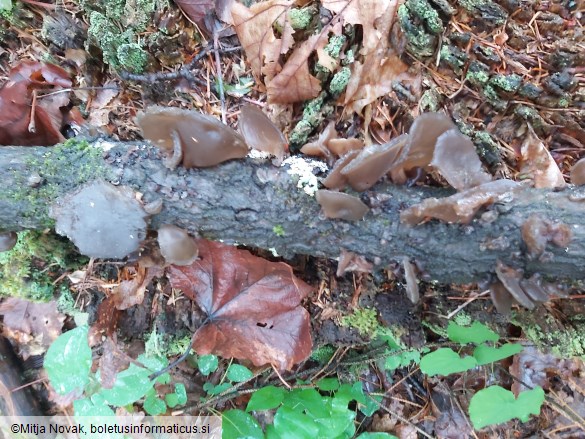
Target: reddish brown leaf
[(196, 9), (253, 306), (16, 104)]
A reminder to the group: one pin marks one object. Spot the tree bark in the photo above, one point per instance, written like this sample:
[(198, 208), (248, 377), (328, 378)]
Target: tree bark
[(257, 204)]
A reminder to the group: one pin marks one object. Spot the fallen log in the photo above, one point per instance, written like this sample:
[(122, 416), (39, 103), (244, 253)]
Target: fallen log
[(255, 203)]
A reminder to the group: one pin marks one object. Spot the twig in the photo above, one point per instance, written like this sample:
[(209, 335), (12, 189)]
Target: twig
[(467, 302), (219, 76)]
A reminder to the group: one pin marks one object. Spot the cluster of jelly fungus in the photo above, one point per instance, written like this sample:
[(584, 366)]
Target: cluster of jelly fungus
[(190, 138)]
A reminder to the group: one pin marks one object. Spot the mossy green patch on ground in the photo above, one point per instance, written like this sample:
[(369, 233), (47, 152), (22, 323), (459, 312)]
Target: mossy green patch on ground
[(364, 320), (161, 345), (28, 270)]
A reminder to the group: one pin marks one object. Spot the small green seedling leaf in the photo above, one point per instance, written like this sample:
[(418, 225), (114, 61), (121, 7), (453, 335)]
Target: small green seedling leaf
[(376, 436), (238, 373), (239, 424), (154, 406), (87, 407), (207, 364), (179, 397), (328, 384), (486, 354), (401, 359), (445, 361), (130, 385), (495, 405), (308, 400), (266, 398), (476, 333), (348, 392), (154, 364), (68, 361), (216, 390)]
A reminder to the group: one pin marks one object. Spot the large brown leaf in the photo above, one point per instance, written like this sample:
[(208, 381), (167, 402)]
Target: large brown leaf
[(16, 102), (253, 306), (196, 9)]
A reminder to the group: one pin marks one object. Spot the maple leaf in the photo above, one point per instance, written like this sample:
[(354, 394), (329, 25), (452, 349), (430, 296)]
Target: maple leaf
[(253, 306)]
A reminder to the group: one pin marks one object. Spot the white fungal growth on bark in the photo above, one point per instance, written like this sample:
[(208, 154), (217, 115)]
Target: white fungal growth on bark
[(305, 169)]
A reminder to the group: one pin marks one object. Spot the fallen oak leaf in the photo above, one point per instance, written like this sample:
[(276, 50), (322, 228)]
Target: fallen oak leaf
[(253, 306)]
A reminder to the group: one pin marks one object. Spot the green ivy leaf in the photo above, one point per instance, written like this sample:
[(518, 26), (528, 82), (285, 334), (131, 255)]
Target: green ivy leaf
[(486, 354), (68, 361), (445, 361), (207, 364), (238, 373), (376, 436), (476, 333), (287, 420), (495, 405), (154, 406), (328, 384), (401, 359), (308, 400), (371, 406), (239, 424), (130, 385), (353, 392), (266, 398), (154, 364), (87, 407)]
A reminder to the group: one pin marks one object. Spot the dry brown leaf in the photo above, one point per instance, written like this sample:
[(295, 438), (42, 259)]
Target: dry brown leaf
[(253, 306), (196, 9), (538, 164), (381, 67), (254, 28), (295, 82), (131, 292), (41, 320)]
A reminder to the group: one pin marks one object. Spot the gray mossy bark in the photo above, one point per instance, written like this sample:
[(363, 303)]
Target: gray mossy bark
[(251, 202)]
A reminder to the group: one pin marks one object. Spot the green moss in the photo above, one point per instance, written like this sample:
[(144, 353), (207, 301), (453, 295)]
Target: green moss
[(508, 83), (478, 77), (462, 319), (339, 81), (430, 101), (314, 113), (365, 320), (28, 270), (419, 42), (566, 342), (323, 353), (300, 18), (158, 345), (62, 167), (453, 57), (334, 46), (487, 147), (278, 230)]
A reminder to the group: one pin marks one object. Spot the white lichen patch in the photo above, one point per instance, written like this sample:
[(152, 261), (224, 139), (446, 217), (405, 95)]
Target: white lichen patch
[(104, 145), (259, 155), (305, 169)]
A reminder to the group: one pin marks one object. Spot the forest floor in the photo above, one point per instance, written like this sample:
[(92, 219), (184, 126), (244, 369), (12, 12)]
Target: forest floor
[(510, 75)]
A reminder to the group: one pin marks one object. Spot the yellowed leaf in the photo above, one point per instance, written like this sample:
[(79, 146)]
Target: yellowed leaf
[(538, 164)]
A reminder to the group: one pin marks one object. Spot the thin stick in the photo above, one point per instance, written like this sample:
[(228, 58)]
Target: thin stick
[(219, 76)]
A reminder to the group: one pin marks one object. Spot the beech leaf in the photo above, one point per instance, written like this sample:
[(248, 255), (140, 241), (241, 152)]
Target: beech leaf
[(253, 306)]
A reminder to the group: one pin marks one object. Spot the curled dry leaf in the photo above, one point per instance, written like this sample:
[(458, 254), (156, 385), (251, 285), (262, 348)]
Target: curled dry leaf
[(538, 164), (459, 208), (42, 321), (196, 9), (131, 292), (349, 261), (16, 105), (253, 306), (412, 291)]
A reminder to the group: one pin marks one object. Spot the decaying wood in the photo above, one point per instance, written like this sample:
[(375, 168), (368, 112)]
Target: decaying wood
[(257, 204)]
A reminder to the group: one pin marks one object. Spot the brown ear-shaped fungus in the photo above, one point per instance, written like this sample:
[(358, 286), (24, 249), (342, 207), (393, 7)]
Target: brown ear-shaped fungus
[(538, 163), (533, 289), (335, 179), (7, 241), (372, 163), (423, 135), (457, 161), (102, 220), (537, 232), (501, 298), (204, 140), (340, 147), (458, 208), (349, 261), (578, 173), (176, 246), (318, 148), (412, 291), (511, 278), (341, 206), (260, 133)]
